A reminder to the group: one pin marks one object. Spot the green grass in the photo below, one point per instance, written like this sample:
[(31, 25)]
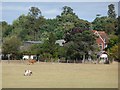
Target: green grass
[(0, 75), (48, 75)]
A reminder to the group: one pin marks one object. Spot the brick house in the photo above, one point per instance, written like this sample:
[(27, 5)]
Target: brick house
[(102, 39)]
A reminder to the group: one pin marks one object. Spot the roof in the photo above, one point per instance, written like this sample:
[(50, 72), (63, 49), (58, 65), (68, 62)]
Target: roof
[(33, 42), (94, 31), (101, 35), (100, 32), (60, 42), (99, 41)]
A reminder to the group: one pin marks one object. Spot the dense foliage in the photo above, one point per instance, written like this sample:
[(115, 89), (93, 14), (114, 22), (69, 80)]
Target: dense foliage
[(80, 41)]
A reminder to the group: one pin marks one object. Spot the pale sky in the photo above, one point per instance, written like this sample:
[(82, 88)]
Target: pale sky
[(85, 10)]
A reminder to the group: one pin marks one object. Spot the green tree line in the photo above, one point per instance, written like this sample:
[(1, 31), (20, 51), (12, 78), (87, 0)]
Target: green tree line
[(68, 26)]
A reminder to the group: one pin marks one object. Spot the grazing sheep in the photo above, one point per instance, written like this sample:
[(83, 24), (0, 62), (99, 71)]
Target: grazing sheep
[(28, 73)]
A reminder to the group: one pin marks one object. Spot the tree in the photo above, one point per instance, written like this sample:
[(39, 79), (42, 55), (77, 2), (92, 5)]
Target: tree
[(28, 27), (68, 20), (35, 18), (22, 28), (118, 28), (34, 12), (11, 45), (50, 43), (111, 11), (114, 40), (113, 52), (104, 23), (47, 49), (107, 24), (6, 29), (79, 43), (50, 25), (67, 10)]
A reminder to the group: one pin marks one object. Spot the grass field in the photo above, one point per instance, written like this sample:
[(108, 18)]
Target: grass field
[(0, 75), (48, 75)]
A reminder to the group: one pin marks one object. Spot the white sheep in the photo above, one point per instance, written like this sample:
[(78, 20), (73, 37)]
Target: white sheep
[(28, 73)]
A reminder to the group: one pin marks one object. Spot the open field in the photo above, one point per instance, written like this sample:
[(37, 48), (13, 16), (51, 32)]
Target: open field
[(48, 75), (0, 76)]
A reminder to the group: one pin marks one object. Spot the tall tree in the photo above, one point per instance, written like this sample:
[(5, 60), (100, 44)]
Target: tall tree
[(34, 12), (104, 23), (111, 11), (68, 20), (107, 24), (34, 17), (67, 10), (79, 42)]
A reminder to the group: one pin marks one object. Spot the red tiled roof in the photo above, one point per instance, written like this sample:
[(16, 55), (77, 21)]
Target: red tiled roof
[(103, 35), (94, 31), (99, 41)]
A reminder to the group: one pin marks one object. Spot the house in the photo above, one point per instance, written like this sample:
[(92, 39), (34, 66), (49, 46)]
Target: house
[(102, 39)]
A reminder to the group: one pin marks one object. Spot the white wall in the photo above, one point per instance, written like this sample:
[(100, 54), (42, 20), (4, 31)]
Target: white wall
[(28, 57)]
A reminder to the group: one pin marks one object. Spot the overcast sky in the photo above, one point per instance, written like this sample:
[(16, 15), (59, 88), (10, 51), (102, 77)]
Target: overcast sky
[(85, 10)]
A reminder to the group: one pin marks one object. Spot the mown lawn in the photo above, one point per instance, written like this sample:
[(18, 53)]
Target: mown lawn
[(48, 75), (0, 75)]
